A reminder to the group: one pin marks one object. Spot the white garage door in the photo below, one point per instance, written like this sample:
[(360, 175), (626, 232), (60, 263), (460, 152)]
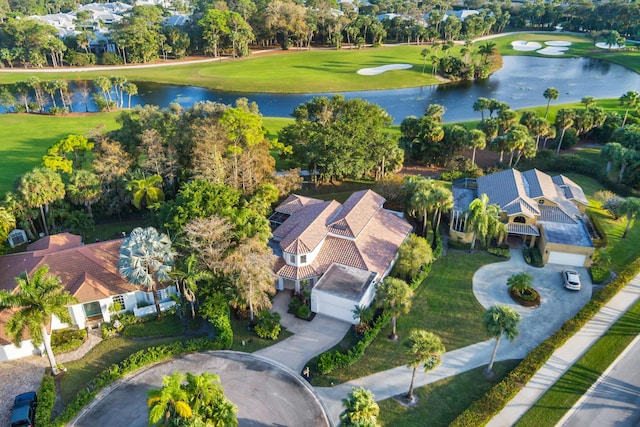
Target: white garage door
[(567, 259)]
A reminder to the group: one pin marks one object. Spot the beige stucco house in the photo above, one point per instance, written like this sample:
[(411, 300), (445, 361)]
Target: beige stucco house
[(541, 210)]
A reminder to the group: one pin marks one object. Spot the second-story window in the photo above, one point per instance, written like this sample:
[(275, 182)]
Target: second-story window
[(292, 259), (303, 259)]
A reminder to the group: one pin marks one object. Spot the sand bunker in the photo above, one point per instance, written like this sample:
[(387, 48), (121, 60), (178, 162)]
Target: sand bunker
[(552, 50), (525, 46), (382, 69), (557, 43), (603, 45)]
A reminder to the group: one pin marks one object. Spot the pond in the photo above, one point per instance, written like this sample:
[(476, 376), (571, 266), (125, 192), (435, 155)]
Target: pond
[(520, 83)]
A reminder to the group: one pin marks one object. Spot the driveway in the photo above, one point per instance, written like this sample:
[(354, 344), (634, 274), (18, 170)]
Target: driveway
[(556, 303), (266, 393)]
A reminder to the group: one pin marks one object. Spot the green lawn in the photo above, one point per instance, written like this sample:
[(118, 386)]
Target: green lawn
[(572, 385), (441, 402), (166, 326), (252, 342), (25, 138), (321, 70), (443, 304)]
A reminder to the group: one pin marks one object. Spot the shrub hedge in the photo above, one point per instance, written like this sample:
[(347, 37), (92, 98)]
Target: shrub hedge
[(67, 339), (482, 410), (599, 274), (603, 241), (500, 252), (46, 400)]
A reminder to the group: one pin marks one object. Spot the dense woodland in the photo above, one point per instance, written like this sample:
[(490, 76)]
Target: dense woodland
[(230, 28)]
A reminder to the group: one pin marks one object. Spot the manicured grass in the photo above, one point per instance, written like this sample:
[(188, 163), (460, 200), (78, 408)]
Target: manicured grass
[(443, 304), (113, 350), (26, 138), (321, 70), (441, 402), (166, 326), (576, 381), (623, 251)]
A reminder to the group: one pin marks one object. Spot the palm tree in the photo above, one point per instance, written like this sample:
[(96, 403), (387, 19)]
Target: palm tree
[(210, 405), (564, 120), (169, 403), (394, 295), (146, 191), (424, 53), (79, 223), (588, 101), (487, 49), (363, 315), (549, 94), (477, 139), (425, 348), (630, 100), (38, 188), (480, 105), (130, 89), (442, 200), (37, 299), (7, 223), (361, 409), (484, 220), (84, 189), (500, 320), (419, 191), (146, 258), (189, 274), (631, 208)]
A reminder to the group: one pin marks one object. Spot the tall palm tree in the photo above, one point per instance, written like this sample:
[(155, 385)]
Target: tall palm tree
[(394, 295), (146, 258), (550, 93), (424, 53), (361, 409), (484, 220), (476, 139), (84, 189), (564, 120), (40, 187), (480, 105), (487, 49), (442, 200), (36, 299), (146, 191), (425, 348), (500, 320), (629, 100), (169, 403), (188, 273), (130, 89), (210, 405), (631, 208)]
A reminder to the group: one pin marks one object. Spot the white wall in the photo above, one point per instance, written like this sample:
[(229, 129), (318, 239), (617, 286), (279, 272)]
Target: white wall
[(336, 307), (11, 352)]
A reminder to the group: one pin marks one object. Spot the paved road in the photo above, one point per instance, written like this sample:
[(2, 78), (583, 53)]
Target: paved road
[(267, 394), (614, 400)]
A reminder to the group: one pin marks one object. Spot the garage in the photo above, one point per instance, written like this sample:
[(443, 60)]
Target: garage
[(566, 258), (340, 289)]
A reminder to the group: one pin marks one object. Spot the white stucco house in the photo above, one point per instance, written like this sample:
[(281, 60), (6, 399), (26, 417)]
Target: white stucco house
[(88, 272), (338, 251)]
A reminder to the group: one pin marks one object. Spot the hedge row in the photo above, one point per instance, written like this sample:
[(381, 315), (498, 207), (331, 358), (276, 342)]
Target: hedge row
[(482, 410), (603, 241), (46, 400), (218, 315)]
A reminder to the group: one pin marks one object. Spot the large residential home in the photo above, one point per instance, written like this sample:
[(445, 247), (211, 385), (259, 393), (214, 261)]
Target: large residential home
[(89, 272), (537, 208), (338, 251)]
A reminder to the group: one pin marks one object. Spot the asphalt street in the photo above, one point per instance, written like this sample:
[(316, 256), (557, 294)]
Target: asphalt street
[(615, 398)]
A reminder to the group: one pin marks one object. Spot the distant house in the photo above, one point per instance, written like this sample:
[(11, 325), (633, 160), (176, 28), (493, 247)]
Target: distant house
[(339, 251), (539, 209), (89, 272)]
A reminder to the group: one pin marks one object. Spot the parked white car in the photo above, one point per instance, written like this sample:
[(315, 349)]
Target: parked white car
[(571, 280)]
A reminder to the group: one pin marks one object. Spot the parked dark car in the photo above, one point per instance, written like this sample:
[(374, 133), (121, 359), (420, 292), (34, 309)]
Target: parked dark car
[(23, 413)]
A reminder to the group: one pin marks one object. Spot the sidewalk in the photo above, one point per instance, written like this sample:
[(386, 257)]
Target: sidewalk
[(566, 356)]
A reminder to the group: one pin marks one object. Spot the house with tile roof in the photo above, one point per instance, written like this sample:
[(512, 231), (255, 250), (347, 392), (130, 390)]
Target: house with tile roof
[(539, 209), (88, 272), (338, 251)]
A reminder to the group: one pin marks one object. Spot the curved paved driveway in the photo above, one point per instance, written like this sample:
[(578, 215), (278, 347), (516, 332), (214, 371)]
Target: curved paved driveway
[(267, 394), (556, 306)]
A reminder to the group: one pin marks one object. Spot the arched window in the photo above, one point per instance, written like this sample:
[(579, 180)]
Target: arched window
[(519, 219)]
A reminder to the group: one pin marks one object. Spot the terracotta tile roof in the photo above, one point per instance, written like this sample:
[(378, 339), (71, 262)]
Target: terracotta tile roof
[(55, 243), (380, 241), (283, 269), (356, 212), (12, 266), (342, 251), (295, 203), (302, 232), (5, 315)]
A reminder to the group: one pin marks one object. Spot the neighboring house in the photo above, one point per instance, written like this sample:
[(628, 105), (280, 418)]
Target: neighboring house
[(536, 207), (89, 272), (338, 251)]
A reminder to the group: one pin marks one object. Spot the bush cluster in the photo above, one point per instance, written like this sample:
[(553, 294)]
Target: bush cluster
[(599, 274), (603, 241), (437, 249), (46, 400), (482, 410), (268, 325), (500, 252), (532, 256), (67, 339)]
